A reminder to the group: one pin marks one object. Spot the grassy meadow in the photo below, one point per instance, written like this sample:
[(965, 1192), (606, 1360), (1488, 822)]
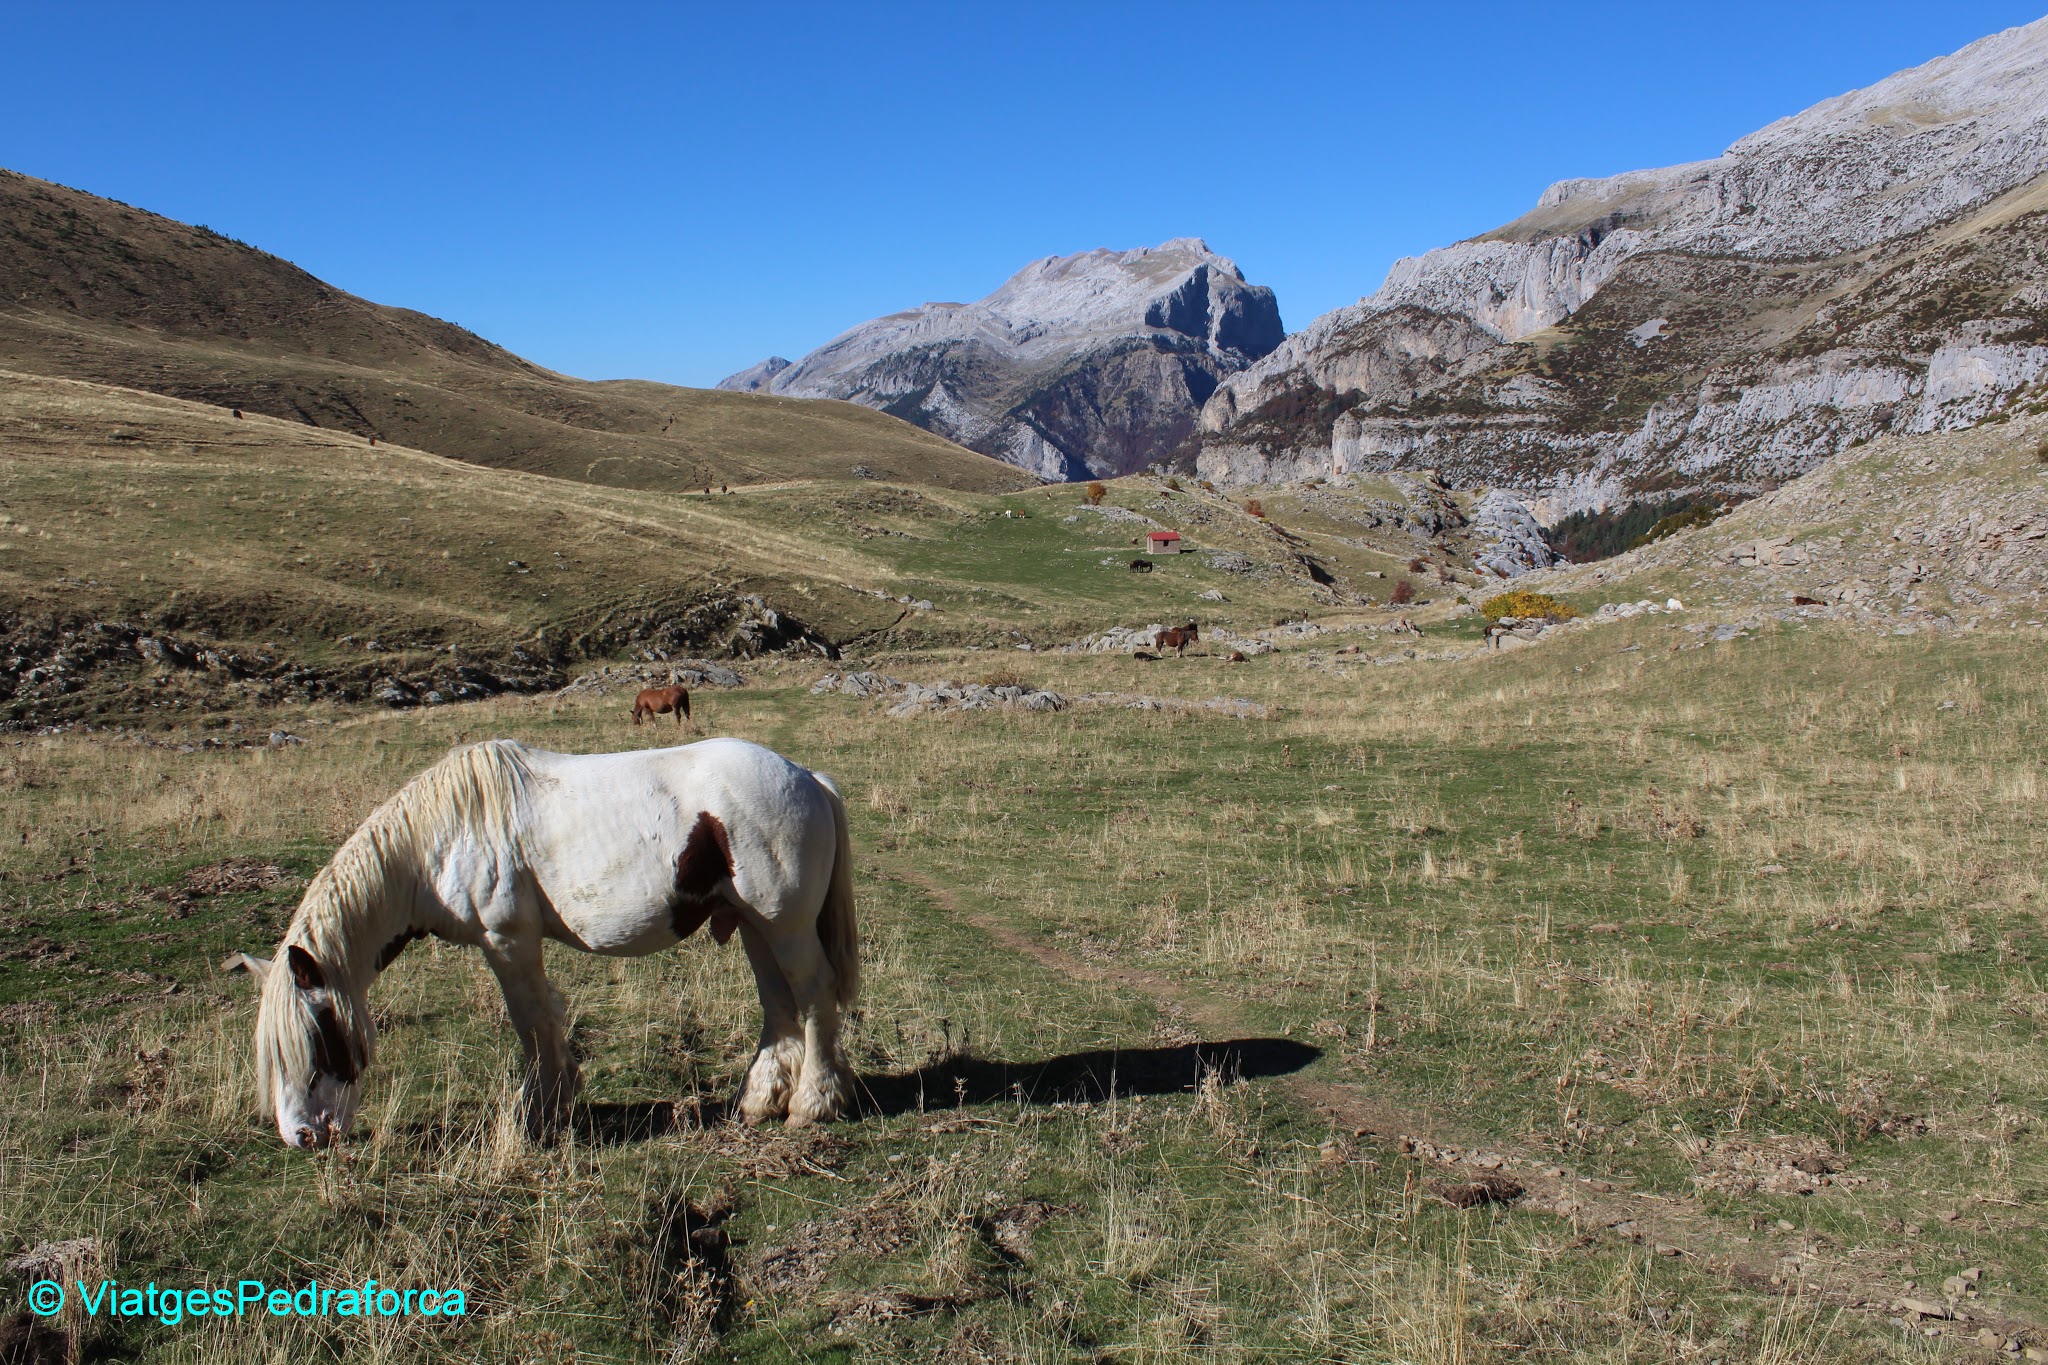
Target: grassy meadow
[(314, 550), (1176, 1027)]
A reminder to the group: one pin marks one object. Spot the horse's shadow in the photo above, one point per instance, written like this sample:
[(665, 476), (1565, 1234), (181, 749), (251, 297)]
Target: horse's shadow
[(1076, 1077)]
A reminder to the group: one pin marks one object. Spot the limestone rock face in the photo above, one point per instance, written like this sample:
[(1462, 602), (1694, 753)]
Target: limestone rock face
[(1868, 265), (1517, 545), (755, 377), (1093, 364)]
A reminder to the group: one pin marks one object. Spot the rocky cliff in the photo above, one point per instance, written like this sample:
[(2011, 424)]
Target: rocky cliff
[(1876, 263), (1094, 364)]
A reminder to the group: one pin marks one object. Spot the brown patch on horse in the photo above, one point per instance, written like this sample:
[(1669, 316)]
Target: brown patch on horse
[(703, 865), (334, 1052), (397, 945)]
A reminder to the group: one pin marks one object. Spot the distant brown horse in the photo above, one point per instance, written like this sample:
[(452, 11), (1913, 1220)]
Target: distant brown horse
[(660, 701), (1179, 639)]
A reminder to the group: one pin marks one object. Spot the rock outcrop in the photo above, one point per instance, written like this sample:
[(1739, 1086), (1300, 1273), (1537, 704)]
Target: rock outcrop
[(755, 377), (1933, 531), (1094, 364), (1869, 265)]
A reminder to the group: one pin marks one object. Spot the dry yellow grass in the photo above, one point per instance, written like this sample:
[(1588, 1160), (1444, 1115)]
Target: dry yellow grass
[(1527, 904)]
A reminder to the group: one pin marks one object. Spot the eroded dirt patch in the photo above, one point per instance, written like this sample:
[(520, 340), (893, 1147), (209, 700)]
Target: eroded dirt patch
[(1776, 1164)]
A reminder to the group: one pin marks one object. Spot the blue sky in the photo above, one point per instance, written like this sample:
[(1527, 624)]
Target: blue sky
[(674, 191)]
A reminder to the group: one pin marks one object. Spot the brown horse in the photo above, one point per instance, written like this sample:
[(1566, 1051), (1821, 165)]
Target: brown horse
[(1179, 639), (660, 701)]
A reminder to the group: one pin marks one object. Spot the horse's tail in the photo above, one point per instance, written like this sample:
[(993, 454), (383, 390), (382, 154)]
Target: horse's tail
[(686, 703), (838, 929)]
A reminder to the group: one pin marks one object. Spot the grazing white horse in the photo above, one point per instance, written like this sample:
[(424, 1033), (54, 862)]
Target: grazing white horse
[(502, 847)]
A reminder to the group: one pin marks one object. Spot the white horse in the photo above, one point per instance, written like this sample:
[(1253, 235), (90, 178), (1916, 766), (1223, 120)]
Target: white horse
[(501, 847)]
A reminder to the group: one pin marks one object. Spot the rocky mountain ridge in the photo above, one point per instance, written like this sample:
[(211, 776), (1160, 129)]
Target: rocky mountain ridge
[(1874, 263), (1083, 365)]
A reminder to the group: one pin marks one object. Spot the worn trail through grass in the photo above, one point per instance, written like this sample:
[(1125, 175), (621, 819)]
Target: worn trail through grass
[(1670, 1225)]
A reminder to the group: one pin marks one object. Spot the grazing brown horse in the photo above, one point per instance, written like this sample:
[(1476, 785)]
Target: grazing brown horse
[(660, 701), (1179, 639)]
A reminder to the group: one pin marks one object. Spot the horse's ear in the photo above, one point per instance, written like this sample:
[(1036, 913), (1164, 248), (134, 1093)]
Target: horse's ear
[(306, 972), (258, 967)]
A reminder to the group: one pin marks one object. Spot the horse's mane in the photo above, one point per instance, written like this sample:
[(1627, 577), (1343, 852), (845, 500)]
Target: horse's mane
[(479, 789)]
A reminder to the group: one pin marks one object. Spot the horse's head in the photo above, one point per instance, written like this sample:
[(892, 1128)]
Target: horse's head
[(311, 1047)]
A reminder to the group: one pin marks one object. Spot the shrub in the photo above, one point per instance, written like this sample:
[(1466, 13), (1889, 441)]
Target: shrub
[(1403, 594), (1003, 677), (1414, 566), (1255, 507), (1095, 493), (1524, 604), (1205, 485), (2041, 452), (1586, 536), (1174, 484)]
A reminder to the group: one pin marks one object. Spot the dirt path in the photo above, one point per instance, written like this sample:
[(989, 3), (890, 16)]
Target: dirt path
[(1767, 1260)]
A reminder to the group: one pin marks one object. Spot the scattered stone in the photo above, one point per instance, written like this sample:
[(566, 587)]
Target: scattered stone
[(1772, 1164), (56, 1260), (862, 684), (1622, 611), (695, 674), (1769, 552)]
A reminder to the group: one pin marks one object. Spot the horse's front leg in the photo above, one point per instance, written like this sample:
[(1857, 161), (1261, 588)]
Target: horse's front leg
[(549, 1077)]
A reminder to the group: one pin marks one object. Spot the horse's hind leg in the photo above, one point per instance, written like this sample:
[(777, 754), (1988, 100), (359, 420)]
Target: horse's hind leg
[(824, 1087), (780, 1058), (550, 1079)]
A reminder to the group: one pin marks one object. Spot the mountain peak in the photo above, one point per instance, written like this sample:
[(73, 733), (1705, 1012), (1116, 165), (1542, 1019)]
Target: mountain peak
[(1089, 363)]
